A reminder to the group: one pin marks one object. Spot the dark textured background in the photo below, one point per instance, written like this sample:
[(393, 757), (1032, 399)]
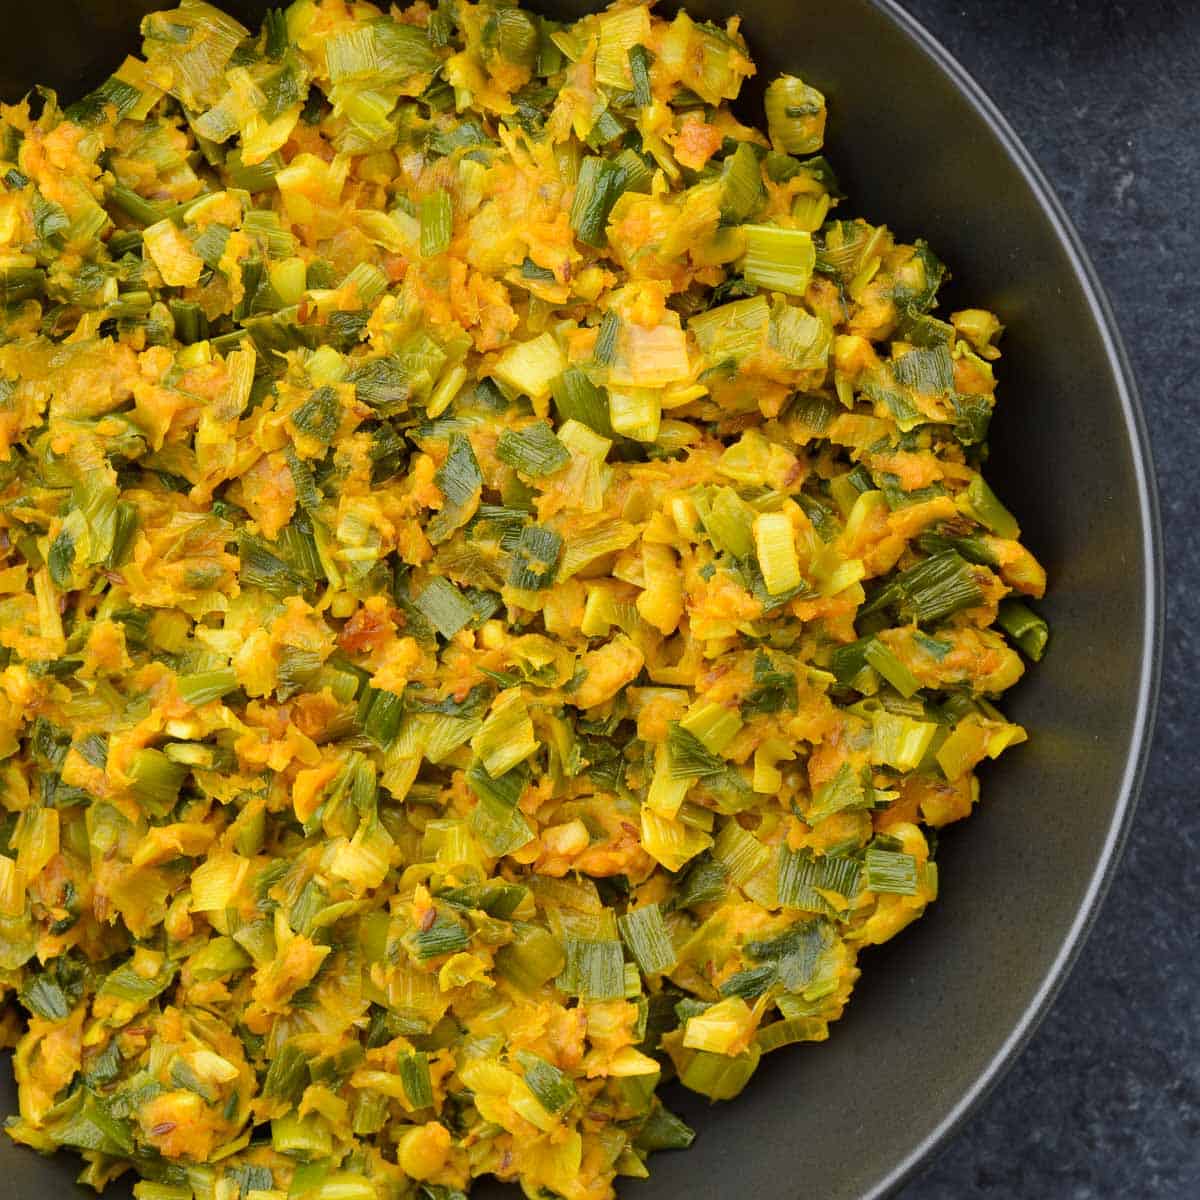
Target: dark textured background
[(1105, 1101)]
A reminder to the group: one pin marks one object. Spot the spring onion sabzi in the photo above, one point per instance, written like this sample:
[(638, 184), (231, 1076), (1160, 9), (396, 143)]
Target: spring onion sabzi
[(496, 587)]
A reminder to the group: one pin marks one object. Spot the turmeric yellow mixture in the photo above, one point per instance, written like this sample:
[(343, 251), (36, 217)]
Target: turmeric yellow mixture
[(495, 589)]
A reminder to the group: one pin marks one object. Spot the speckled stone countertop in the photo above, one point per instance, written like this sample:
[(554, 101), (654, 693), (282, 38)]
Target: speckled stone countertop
[(1105, 1102)]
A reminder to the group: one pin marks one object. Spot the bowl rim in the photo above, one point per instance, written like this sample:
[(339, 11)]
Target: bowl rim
[(1153, 566)]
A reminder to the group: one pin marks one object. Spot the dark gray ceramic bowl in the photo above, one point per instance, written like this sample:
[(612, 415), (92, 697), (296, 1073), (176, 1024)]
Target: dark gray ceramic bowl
[(945, 1008)]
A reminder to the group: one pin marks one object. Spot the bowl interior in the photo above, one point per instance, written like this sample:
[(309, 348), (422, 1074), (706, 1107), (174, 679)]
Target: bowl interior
[(939, 1006)]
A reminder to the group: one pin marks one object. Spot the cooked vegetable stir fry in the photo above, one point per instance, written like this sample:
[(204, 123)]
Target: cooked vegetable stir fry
[(494, 580)]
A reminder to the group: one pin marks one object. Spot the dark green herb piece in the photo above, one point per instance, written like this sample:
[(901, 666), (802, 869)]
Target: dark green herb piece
[(1025, 627), (639, 68), (600, 183), (535, 558), (445, 607), (533, 450), (690, 758), (890, 871), (552, 1089), (319, 416)]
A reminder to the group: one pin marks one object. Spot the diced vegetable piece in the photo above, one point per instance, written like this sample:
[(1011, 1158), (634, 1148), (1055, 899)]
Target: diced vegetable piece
[(742, 189), (207, 685), (594, 968), (531, 367), (795, 115), (877, 655), (445, 607), (507, 736), (718, 1076), (621, 32), (382, 53), (577, 398), (533, 450), (899, 741), (671, 842), (891, 871), (646, 935), (780, 260), (804, 880), (173, 255), (985, 507), (635, 412), (1025, 627), (639, 71), (732, 332), (552, 1088), (414, 1073), (775, 549), (600, 183), (719, 1028), (154, 781), (437, 223), (933, 589)]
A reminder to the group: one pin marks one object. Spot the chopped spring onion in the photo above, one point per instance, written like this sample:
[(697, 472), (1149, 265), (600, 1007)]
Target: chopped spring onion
[(496, 822), (531, 367), (689, 757), (600, 183), (381, 53), (844, 792), (533, 957), (719, 1028), (578, 399), (535, 558), (795, 115), (646, 935), (606, 339), (414, 1074), (729, 521), (437, 223), (154, 781), (379, 715), (740, 852), (789, 1031), (933, 589), (594, 968), (780, 260), (635, 413), (663, 1130), (985, 507), (775, 549), (890, 871), (718, 1076), (287, 1076), (506, 737), (208, 685), (732, 332), (671, 842), (445, 607), (552, 1088), (742, 189), (713, 725), (444, 936), (877, 655), (533, 450), (1025, 627), (899, 741), (639, 70)]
